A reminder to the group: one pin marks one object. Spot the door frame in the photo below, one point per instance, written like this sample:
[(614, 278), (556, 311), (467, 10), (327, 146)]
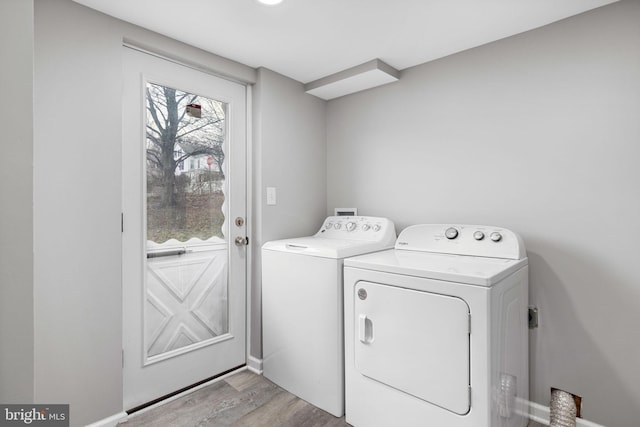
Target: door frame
[(127, 43)]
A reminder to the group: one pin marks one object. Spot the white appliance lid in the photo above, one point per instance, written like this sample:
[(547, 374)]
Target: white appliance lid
[(324, 248), (473, 270), (341, 237)]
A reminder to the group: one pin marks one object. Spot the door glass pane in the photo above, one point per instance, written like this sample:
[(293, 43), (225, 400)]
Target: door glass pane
[(186, 274)]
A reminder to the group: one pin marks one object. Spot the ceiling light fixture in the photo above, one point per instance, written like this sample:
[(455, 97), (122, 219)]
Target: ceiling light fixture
[(270, 2)]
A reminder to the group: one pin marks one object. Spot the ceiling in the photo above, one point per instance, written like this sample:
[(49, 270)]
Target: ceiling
[(311, 39)]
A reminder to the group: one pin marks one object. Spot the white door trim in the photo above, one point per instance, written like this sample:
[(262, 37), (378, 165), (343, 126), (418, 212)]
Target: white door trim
[(176, 59)]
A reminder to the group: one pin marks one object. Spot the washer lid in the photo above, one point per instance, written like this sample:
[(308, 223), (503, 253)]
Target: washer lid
[(325, 248), (341, 237), (467, 269)]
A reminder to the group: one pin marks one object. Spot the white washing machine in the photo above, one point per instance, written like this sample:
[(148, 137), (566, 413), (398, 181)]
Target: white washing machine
[(302, 317), (436, 330)]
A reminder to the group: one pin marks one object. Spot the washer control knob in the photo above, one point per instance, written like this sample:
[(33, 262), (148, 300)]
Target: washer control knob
[(351, 226), (376, 227), (495, 236), (329, 225), (338, 226), (451, 233), (478, 235), (366, 227)]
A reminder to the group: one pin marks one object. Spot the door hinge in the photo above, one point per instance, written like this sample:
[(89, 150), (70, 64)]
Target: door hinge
[(469, 396), (122, 222), (123, 357), (469, 326)]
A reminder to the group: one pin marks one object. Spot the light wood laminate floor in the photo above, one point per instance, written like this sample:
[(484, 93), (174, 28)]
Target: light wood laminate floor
[(241, 400)]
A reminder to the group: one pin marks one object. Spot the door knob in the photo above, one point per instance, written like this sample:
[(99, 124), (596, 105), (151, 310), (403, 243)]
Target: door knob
[(242, 241)]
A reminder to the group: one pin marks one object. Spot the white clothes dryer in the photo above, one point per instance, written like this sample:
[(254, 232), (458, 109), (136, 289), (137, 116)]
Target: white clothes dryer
[(436, 330), (302, 317)]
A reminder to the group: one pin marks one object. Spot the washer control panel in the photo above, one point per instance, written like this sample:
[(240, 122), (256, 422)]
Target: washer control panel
[(356, 228), (475, 240)]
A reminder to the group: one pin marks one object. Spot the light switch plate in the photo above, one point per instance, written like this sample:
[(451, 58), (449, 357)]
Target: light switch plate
[(271, 196)]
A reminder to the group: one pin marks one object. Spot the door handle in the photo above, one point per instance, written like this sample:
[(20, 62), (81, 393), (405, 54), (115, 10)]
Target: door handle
[(158, 254), (365, 329), (242, 241)]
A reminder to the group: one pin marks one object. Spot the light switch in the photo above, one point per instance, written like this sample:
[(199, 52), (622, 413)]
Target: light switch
[(271, 196)]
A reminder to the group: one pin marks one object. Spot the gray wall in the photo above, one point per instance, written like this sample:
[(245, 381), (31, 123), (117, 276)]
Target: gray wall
[(539, 133), (16, 202), (78, 182), (77, 195), (289, 154)]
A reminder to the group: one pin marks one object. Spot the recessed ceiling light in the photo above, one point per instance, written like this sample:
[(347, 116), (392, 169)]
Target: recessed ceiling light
[(270, 2)]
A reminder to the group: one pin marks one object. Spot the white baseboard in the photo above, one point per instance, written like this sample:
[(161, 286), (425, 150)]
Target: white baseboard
[(254, 365), (111, 421), (541, 414)]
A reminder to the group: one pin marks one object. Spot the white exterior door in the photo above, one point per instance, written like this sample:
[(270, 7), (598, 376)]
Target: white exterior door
[(184, 206)]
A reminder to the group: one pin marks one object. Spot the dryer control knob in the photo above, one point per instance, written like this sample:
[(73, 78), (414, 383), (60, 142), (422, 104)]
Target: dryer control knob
[(366, 227), (329, 225), (478, 235), (495, 236), (451, 233), (338, 226), (376, 227), (351, 226)]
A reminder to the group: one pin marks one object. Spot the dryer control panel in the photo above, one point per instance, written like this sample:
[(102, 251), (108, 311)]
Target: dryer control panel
[(456, 239), (357, 228)]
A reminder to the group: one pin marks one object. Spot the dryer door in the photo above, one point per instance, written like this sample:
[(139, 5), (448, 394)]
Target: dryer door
[(416, 342)]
